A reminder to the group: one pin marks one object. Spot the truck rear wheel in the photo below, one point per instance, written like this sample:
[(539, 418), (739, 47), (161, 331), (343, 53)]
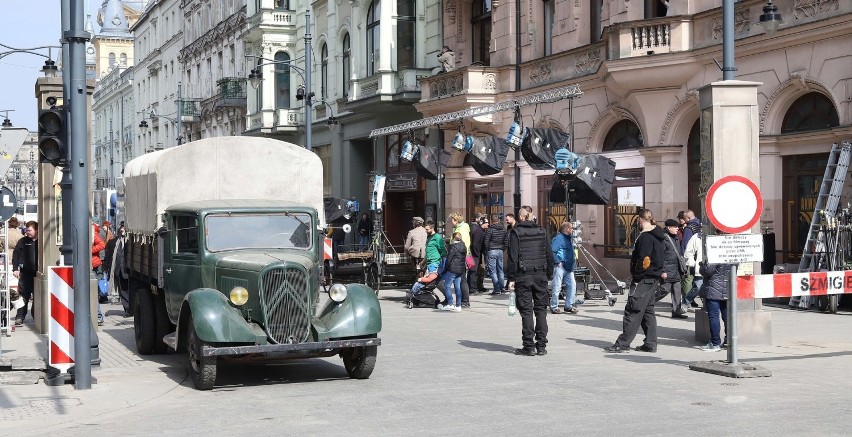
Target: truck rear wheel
[(143, 322), (201, 368), (360, 361), (164, 326)]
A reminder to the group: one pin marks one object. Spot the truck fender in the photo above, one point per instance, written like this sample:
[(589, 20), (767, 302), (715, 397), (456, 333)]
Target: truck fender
[(215, 319), (359, 314)]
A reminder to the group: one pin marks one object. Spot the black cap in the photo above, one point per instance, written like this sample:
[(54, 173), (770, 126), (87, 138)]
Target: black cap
[(672, 222)]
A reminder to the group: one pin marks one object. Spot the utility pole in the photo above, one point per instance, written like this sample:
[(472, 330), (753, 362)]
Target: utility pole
[(309, 116), (76, 96), (179, 121), (516, 197)]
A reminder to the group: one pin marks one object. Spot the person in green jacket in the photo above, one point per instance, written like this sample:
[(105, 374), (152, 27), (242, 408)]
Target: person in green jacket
[(435, 249)]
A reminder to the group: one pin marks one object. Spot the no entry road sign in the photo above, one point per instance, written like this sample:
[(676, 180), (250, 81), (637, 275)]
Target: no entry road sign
[(733, 204)]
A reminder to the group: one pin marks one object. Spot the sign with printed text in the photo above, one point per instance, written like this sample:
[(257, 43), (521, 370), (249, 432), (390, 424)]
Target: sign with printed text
[(734, 248)]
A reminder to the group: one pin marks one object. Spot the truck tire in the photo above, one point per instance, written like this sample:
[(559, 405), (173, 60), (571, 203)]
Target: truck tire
[(164, 326), (360, 361), (202, 369), (143, 322)]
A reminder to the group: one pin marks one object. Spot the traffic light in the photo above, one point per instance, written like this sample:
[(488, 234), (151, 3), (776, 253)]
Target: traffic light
[(53, 136)]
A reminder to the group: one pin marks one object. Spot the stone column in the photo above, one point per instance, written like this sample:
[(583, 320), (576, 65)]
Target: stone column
[(664, 180), (730, 125)]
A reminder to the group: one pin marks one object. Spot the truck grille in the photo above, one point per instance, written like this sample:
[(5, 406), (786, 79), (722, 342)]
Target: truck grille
[(286, 302)]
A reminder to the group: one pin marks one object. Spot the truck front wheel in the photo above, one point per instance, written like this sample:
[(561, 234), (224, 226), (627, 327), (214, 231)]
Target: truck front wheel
[(359, 361), (201, 368), (143, 322)]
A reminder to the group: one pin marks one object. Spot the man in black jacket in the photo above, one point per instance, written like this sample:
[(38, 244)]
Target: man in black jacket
[(646, 268), (24, 267), (477, 235), (493, 246), (529, 268)]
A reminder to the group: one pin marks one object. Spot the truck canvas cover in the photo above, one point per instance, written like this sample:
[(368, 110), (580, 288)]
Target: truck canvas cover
[(221, 168)]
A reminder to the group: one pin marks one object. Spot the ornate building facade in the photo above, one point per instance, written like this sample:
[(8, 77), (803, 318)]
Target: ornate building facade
[(213, 73), (115, 126), (639, 67)]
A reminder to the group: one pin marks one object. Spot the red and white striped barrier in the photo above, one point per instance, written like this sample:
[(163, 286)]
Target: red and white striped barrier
[(794, 284), (61, 309), (326, 247)]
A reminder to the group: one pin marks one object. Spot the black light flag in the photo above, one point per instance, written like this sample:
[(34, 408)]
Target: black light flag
[(592, 185), (540, 147), (488, 154), (426, 162)]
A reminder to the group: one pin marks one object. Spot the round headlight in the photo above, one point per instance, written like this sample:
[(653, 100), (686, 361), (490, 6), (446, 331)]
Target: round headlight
[(239, 296), (337, 292)]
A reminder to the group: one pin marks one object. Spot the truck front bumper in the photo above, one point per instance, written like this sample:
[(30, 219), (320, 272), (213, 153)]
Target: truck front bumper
[(315, 347)]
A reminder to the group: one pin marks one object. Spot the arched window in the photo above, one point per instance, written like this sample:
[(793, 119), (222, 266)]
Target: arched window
[(693, 156), (122, 59), (481, 21), (282, 81), (624, 135), (405, 34), (324, 71), (810, 112), (373, 37), (347, 65), (111, 60)]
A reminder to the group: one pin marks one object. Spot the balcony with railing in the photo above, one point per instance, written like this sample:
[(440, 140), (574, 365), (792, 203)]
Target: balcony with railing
[(232, 92), (473, 80), (190, 110), (402, 85), (269, 17), (649, 37), (269, 121)]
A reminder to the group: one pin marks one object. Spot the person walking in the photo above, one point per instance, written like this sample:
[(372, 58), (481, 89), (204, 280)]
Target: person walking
[(415, 243), (477, 237), (493, 244), (692, 280), (715, 294), (692, 227), (455, 270), (646, 269), (97, 246), (24, 267), (675, 267), (530, 265), (562, 248)]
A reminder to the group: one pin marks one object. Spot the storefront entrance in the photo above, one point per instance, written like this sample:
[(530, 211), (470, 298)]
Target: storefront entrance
[(802, 178)]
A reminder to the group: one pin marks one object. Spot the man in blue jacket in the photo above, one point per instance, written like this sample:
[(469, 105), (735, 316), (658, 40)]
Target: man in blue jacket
[(562, 247)]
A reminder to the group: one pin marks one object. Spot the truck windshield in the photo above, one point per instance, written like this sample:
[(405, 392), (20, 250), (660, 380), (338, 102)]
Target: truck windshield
[(258, 231)]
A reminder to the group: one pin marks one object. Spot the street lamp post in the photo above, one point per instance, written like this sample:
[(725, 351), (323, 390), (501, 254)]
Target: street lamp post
[(152, 115), (256, 76), (110, 175)]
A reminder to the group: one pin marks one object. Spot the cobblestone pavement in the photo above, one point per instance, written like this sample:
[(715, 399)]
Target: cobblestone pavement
[(442, 373)]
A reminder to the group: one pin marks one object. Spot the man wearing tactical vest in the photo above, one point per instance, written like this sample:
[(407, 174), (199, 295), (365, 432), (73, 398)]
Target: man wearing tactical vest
[(529, 268)]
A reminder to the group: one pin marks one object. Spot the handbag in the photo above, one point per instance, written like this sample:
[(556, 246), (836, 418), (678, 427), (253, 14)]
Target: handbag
[(469, 262), (660, 292), (103, 287)]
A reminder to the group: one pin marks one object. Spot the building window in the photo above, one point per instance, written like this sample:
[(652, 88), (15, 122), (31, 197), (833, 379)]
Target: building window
[(624, 135), (347, 65), (405, 34), (595, 20), (258, 95), (282, 4), (112, 60), (373, 37), (324, 71), (628, 191), (282, 81), (394, 147), (481, 21), (485, 197), (549, 13), (122, 59), (812, 111)]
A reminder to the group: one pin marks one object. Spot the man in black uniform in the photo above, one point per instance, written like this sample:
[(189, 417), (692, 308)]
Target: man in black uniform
[(528, 270), (646, 268)]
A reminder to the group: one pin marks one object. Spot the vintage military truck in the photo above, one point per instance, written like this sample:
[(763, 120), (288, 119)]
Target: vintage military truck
[(224, 256)]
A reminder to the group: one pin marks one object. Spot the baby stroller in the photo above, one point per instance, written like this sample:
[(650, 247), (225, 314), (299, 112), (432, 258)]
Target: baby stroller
[(423, 293)]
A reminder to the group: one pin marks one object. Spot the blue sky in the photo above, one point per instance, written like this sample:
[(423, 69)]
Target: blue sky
[(27, 24)]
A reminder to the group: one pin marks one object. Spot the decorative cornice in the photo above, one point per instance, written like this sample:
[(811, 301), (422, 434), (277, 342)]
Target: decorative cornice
[(800, 83), (812, 8), (232, 25), (742, 23), (613, 112)]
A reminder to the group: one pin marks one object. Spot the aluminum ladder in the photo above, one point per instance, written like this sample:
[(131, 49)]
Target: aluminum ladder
[(827, 202)]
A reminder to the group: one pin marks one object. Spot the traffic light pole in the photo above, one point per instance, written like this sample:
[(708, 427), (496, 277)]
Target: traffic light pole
[(76, 38)]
